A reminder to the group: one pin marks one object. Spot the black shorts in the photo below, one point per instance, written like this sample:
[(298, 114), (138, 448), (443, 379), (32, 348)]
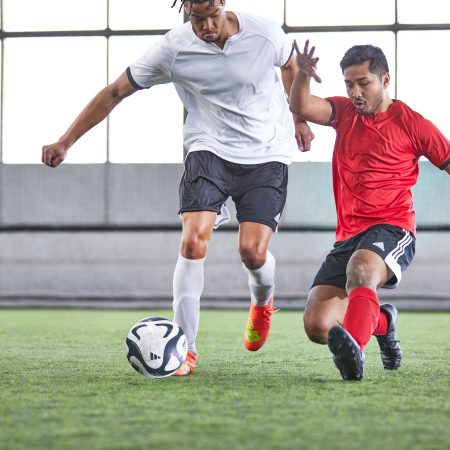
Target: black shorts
[(395, 245), (258, 190)]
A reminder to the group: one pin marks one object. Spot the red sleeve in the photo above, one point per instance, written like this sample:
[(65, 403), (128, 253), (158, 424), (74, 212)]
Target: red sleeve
[(339, 105), (432, 143)]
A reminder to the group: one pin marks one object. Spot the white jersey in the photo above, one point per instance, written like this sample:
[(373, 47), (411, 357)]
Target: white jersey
[(235, 101)]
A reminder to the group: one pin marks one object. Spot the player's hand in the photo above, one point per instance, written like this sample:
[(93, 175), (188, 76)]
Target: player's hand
[(303, 135), (306, 61), (54, 154)]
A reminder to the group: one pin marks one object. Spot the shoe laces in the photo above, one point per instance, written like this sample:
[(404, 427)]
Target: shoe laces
[(268, 312), (263, 315), (387, 341), (388, 337)]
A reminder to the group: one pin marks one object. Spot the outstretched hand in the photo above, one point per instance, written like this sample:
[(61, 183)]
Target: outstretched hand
[(306, 61)]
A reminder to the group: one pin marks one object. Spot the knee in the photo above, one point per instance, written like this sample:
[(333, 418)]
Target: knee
[(253, 255), (360, 277), (316, 329), (365, 269), (193, 247)]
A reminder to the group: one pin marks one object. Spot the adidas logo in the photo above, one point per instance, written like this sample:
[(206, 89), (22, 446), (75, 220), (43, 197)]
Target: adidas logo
[(153, 356), (379, 245), (277, 217)]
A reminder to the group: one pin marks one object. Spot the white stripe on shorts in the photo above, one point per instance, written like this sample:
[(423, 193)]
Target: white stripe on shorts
[(391, 259)]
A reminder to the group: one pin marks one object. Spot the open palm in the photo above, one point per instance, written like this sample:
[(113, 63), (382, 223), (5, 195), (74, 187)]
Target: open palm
[(306, 61)]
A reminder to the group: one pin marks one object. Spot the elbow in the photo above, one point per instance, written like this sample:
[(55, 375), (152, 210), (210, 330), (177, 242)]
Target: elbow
[(297, 110), (294, 109), (297, 104)]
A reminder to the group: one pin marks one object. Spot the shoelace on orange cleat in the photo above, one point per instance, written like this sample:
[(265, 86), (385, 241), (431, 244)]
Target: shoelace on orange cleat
[(264, 315)]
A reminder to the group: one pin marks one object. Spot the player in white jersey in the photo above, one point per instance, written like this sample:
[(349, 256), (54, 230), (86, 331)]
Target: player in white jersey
[(239, 135)]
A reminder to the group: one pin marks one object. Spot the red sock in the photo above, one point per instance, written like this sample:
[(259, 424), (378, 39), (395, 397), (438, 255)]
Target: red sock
[(361, 318), (382, 326)]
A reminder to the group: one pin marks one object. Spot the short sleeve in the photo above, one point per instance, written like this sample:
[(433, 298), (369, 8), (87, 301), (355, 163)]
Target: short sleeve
[(153, 67), (432, 143), (284, 46), (338, 107)]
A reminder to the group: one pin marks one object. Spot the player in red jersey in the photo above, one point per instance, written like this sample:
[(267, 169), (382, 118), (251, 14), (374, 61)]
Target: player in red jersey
[(375, 163)]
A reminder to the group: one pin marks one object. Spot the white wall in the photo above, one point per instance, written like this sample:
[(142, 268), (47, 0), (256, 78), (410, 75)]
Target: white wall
[(54, 266)]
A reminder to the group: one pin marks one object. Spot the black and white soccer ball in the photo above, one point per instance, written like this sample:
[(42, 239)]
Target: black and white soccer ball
[(156, 347)]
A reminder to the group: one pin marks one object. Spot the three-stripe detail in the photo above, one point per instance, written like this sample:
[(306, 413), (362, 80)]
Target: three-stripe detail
[(401, 246)]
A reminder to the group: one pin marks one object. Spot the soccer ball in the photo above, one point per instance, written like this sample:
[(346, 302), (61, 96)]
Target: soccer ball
[(156, 347)]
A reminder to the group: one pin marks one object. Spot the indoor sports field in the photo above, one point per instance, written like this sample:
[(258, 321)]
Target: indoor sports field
[(66, 384), (88, 248)]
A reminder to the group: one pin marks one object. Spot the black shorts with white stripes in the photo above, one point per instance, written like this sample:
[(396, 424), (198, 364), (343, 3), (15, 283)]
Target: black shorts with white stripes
[(394, 244), (258, 190)]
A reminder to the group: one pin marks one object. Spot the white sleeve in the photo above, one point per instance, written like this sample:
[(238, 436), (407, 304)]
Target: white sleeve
[(284, 46), (153, 67)]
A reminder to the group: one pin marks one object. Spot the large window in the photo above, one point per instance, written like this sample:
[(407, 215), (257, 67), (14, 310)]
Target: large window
[(425, 90), (54, 15), (56, 55), (301, 13), (47, 81)]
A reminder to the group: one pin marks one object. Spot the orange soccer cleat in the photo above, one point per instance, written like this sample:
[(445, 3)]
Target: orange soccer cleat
[(188, 366), (258, 325)]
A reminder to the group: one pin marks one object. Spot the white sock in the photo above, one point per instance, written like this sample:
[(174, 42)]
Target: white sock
[(262, 281), (187, 289)]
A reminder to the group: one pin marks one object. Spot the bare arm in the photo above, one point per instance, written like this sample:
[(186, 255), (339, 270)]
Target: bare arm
[(447, 169), (309, 107), (94, 112), (288, 73), (303, 133)]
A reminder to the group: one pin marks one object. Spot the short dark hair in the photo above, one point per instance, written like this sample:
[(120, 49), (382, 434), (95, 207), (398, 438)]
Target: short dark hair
[(211, 2), (358, 54)]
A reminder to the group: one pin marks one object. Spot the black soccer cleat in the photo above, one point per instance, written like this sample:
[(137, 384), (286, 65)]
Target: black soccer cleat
[(390, 350), (348, 357)]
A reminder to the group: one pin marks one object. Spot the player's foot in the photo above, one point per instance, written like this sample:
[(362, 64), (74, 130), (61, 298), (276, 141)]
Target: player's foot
[(390, 350), (258, 325), (188, 366), (348, 357)]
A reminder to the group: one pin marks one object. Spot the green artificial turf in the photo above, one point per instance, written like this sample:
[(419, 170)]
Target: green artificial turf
[(65, 384)]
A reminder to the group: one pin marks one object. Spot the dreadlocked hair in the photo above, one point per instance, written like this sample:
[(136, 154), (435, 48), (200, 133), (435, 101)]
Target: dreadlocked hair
[(211, 3)]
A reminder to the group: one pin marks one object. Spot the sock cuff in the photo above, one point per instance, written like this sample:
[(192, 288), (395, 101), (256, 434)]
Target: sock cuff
[(382, 326), (363, 292), (190, 262), (270, 263)]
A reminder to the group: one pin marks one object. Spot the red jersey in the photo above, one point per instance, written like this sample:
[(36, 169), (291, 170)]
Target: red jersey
[(375, 164)]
